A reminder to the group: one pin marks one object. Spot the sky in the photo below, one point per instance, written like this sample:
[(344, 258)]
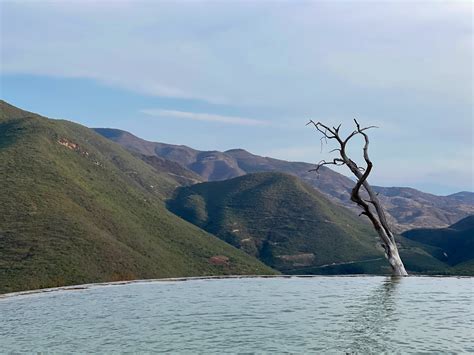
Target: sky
[(219, 75)]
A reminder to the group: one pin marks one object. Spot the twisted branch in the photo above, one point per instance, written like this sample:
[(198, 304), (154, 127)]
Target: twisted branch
[(376, 213)]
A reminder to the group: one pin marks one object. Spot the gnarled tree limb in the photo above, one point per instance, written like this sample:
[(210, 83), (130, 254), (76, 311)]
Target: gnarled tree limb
[(372, 208)]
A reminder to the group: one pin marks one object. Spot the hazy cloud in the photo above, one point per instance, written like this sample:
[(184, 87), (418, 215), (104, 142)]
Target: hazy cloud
[(205, 117), (402, 65), (274, 54)]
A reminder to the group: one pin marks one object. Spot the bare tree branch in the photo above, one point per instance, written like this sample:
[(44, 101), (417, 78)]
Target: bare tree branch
[(336, 161), (377, 214)]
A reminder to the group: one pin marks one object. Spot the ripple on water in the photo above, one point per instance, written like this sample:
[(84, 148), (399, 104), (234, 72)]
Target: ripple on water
[(320, 314)]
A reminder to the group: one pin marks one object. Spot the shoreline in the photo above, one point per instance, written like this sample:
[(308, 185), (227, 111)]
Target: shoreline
[(193, 278)]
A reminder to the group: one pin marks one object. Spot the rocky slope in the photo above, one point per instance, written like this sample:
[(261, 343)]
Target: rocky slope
[(407, 208)]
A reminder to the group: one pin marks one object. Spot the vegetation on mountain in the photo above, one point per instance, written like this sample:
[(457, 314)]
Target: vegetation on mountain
[(290, 226), (77, 208), (277, 218), (406, 208), (453, 245), (178, 173)]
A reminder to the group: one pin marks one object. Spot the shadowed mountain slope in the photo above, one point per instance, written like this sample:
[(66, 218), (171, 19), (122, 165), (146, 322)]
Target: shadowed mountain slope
[(407, 208), (289, 225), (77, 208), (174, 170), (455, 244)]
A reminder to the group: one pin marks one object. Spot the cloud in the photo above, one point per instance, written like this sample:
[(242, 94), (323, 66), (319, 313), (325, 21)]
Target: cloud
[(207, 117), (278, 55), (404, 66)]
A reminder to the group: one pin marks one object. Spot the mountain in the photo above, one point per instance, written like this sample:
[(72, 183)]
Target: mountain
[(174, 170), (407, 208), (211, 165), (78, 208), (464, 197), (290, 226), (455, 244), (412, 208)]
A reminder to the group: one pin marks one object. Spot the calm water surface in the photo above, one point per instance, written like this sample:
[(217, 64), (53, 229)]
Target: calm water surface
[(296, 315)]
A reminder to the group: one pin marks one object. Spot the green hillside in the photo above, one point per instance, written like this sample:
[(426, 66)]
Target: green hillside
[(465, 268), (291, 227), (173, 170), (453, 245), (406, 208), (76, 207), (278, 219)]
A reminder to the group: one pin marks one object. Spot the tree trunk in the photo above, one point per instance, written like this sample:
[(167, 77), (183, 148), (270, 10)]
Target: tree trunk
[(371, 207), (398, 269)]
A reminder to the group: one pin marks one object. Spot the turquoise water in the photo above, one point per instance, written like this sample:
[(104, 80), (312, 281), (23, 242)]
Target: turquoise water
[(296, 315)]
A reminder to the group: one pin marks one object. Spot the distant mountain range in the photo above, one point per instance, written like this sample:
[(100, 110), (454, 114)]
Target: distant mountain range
[(407, 208), (76, 207)]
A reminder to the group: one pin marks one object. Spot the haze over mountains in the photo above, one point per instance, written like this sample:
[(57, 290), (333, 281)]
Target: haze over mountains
[(76, 207), (407, 208)]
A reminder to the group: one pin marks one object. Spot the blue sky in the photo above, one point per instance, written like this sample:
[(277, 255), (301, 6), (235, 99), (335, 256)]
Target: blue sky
[(221, 75)]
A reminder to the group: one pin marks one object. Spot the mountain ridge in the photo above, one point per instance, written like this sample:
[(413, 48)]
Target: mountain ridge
[(456, 242), (290, 226), (79, 208), (407, 208)]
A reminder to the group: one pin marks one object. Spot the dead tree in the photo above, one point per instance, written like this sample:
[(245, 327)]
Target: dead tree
[(371, 207)]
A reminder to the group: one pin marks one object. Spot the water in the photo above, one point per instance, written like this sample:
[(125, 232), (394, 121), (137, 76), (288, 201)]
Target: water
[(296, 315)]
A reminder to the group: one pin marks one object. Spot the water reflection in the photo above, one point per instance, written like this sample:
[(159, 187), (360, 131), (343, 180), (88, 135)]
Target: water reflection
[(324, 315), (375, 315)]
